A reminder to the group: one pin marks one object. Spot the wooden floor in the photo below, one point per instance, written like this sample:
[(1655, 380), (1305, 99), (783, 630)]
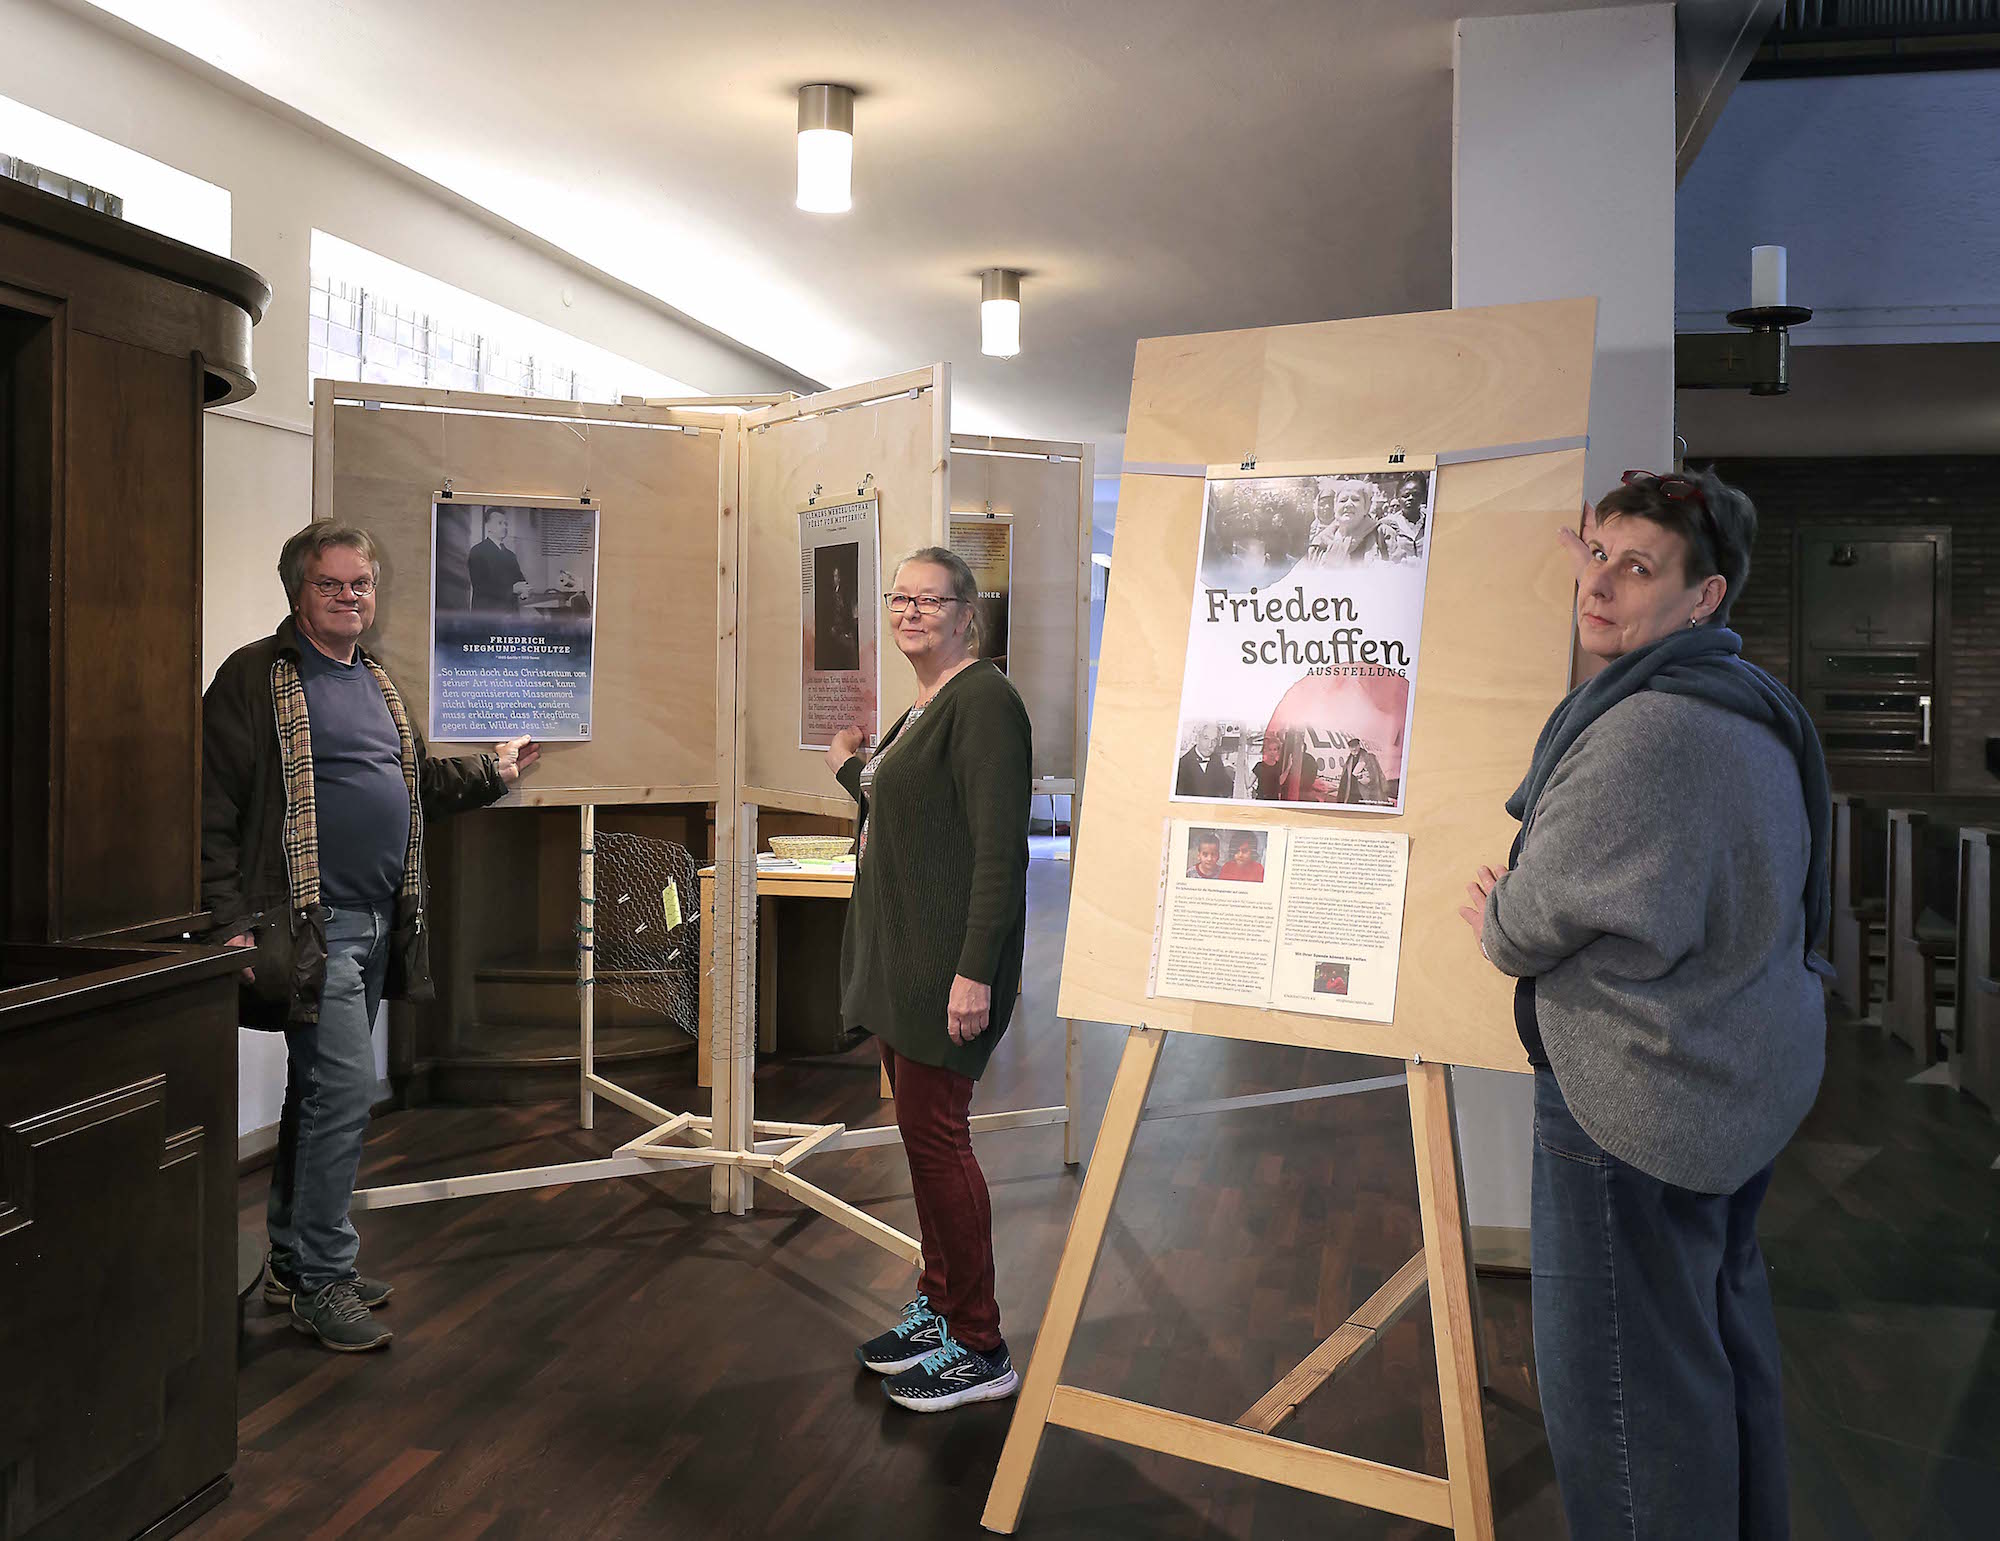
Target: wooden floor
[(610, 1360)]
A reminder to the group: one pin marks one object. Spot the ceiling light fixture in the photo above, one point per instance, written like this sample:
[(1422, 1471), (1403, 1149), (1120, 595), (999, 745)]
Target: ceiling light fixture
[(1000, 312), (826, 149)]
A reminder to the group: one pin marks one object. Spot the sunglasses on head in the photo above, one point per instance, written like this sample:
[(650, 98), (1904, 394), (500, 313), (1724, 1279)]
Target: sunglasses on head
[(1677, 488)]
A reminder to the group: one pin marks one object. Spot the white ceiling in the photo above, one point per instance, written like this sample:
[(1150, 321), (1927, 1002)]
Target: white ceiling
[(1155, 166)]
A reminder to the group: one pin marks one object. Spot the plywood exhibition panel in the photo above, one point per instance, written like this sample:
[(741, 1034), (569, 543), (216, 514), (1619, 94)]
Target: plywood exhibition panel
[(655, 478), (1045, 492), (1489, 392), (889, 438)]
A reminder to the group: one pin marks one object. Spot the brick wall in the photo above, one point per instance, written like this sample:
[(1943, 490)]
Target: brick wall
[(1956, 492)]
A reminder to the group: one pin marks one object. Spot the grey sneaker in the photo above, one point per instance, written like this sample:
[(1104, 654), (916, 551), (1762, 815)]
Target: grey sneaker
[(279, 1289), (336, 1316)]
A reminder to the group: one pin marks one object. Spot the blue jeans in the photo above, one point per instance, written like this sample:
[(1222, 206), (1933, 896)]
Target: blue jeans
[(329, 1086), (1655, 1346)]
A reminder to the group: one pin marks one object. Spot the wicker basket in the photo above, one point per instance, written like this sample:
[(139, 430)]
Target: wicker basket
[(812, 847)]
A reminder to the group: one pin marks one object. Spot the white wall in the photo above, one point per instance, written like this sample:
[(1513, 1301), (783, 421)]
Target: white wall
[(1563, 185), (285, 179), (1885, 189)]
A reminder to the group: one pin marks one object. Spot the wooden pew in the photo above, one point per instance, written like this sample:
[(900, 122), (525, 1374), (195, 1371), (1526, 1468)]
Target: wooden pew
[(1860, 841), (1922, 916), (1978, 967)]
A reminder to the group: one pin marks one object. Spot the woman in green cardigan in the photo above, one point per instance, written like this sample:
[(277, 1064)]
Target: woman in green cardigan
[(931, 960)]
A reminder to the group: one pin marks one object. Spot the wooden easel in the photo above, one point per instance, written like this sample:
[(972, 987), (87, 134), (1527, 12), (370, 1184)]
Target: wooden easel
[(1462, 1500), (1501, 395)]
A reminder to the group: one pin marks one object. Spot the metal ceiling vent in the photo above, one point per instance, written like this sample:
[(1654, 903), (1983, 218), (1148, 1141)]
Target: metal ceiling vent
[(1861, 37)]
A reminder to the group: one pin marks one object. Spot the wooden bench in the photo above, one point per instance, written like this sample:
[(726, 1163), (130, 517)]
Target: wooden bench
[(1922, 917), (1860, 889), (1978, 967)]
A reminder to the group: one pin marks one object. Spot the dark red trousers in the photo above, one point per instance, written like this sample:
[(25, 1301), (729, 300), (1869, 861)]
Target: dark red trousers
[(934, 1112)]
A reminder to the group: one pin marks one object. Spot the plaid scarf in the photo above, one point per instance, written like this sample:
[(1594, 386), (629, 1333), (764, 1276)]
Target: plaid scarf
[(288, 699)]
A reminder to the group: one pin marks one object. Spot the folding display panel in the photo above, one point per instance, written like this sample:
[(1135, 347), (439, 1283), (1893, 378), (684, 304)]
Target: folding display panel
[(656, 486)]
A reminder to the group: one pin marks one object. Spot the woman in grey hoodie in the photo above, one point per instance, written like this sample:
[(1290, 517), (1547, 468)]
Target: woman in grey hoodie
[(1658, 912)]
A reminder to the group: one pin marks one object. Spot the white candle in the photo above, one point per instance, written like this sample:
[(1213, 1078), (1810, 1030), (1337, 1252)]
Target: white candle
[(1767, 276)]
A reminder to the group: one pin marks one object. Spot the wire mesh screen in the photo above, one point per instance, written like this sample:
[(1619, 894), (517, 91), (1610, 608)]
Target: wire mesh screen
[(647, 924), (735, 886)]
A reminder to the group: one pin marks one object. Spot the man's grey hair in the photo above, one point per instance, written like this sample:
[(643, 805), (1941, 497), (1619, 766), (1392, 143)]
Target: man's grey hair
[(316, 538)]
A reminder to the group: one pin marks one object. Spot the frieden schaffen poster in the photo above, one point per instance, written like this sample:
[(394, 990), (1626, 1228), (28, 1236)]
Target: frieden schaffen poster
[(1302, 642)]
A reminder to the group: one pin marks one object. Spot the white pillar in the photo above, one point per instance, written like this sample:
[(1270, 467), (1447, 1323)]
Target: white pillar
[(1563, 185)]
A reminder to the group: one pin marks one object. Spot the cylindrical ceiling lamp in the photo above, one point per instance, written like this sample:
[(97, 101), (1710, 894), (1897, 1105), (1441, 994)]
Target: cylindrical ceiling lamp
[(1000, 312), (826, 149)]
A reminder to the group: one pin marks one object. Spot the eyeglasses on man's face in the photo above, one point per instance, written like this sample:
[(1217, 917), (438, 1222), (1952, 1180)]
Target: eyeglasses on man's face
[(330, 588), (926, 604)]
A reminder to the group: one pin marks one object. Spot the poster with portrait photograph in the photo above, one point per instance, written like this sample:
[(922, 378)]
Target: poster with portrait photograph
[(840, 606), (513, 618), (1302, 640), (985, 543)]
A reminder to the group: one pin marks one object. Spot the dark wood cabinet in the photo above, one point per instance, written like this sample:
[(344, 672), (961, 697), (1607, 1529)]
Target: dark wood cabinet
[(117, 1238), (112, 341), (117, 1045)]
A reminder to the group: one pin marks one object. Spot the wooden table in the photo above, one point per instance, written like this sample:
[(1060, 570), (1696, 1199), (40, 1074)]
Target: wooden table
[(773, 884)]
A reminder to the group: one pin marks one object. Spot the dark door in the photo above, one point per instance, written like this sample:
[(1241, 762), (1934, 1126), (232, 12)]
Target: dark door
[(1871, 607)]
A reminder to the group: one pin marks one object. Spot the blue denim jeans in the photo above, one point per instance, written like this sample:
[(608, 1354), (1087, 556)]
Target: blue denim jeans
[(1655, 1346), (329, 1086)]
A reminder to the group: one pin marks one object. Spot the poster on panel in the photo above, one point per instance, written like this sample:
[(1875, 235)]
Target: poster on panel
[(513, 614), (1302, 640), (840, 585), (985, 543), (1285, 919)]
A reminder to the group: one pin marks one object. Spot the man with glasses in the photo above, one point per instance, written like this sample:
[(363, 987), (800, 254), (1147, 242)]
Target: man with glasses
[(315, 790)]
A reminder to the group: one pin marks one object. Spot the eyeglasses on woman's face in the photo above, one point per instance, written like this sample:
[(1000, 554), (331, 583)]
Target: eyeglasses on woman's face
[(331, 588), (924, 604)]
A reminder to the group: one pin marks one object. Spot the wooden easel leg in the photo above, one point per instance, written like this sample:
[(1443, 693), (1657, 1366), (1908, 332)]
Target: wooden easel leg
[(1072, 1136), (1465, 1225), (1079, 1261), (1441, 1198)]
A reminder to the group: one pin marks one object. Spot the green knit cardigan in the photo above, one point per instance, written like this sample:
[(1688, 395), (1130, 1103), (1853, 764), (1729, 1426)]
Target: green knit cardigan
[(941, 888)]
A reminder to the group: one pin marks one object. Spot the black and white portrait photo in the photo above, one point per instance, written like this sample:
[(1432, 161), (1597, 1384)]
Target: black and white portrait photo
[(495, 581), (1207, 769), (511, 559), (836, 612)]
